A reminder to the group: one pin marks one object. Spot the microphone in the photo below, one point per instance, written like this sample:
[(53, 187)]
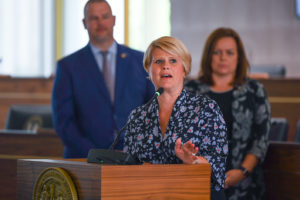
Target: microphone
[(110, 156), (158, 92)]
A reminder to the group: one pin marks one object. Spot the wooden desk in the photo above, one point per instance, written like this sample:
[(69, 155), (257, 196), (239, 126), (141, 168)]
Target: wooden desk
[(282, 171), (46, 144), (14, 146), (284, 97)]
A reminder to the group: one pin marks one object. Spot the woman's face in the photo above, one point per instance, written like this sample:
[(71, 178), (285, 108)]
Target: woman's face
[(166, 70), (225, 57)]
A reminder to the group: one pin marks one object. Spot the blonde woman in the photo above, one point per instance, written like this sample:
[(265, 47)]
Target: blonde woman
[(177, 127)]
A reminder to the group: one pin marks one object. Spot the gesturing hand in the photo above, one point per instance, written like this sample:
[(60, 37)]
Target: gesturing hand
[(186, 152)]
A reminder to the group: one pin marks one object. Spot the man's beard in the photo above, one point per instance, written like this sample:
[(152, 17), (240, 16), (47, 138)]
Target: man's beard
[(101, 39)]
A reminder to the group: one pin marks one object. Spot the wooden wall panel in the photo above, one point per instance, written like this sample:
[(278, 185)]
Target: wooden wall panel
[(283, 94)]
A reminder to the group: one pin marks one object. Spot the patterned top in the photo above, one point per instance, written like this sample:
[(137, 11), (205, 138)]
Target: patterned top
[(250, 133), (195, 118)]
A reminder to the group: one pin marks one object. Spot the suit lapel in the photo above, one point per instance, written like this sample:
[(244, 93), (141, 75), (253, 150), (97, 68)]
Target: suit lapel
[(94, 72), (122, 72)]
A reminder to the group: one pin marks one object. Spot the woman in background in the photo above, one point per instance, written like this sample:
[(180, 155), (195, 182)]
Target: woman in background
[(245, 107), (177, 127)]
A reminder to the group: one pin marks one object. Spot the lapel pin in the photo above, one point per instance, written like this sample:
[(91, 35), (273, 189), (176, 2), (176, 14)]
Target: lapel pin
[(123, 55)]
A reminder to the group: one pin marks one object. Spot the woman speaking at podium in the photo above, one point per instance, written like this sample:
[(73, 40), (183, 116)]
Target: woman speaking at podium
[(177, 127)]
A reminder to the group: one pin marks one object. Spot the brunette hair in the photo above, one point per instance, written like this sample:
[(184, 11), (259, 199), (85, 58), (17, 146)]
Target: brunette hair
[(205, 74)]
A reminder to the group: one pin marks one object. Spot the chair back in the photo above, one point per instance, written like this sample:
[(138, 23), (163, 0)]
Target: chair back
[(276, 71), (29, 117), (297, 138), (279, 129)]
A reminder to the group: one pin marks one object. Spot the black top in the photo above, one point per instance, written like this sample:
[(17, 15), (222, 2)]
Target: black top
[(224, 100)]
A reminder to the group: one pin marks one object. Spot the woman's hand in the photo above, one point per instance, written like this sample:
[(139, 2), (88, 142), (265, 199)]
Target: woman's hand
[(233, 177), (187, 152)]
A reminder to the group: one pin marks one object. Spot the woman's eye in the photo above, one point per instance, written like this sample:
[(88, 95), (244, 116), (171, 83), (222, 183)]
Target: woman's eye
[(217, 52), (158, 61), (173, 60), (230, 53)]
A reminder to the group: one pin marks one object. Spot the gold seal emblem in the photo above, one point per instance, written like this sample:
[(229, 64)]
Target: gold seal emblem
[(55, 184), (33, 123)]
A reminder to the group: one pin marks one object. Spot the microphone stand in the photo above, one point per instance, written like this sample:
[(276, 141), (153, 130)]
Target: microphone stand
[(157, 94), (110, 156)]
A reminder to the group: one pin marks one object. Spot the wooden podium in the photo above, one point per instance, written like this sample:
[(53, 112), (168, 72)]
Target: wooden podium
[(121, 182)]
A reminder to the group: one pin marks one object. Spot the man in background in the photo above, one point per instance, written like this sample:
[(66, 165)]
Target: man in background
[(97, 87)]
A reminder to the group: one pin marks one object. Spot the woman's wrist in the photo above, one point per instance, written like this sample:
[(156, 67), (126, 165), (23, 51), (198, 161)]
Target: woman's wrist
[(196, 161), (199, 160), (245, 171)]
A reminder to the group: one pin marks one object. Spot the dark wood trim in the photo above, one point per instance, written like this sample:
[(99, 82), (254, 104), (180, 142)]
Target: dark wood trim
[(282, 171)]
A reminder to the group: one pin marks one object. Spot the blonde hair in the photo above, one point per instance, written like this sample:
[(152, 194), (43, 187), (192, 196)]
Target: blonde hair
[(172, 46)]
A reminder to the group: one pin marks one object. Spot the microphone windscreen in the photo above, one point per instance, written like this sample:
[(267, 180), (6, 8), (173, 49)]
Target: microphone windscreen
[(159, 91)]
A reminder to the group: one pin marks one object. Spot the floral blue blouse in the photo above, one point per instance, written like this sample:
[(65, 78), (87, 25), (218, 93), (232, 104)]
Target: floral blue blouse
[(195, 118)]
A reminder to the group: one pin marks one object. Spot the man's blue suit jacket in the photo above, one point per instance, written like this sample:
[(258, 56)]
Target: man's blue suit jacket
[(83, 114)]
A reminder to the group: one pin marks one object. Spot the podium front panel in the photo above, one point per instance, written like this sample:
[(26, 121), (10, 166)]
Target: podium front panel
[(122, 182)]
